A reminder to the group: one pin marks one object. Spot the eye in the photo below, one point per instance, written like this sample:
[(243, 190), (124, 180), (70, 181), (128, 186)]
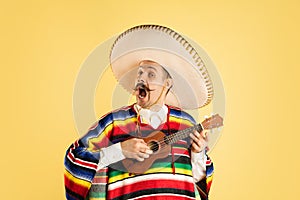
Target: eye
[(151, 75)]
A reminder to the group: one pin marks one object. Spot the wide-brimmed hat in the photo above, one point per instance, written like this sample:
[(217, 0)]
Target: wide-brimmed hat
[(192, 86)]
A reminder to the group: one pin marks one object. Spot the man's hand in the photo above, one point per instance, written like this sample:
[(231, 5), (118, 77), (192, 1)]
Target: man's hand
[(136, 148), (199, 141)]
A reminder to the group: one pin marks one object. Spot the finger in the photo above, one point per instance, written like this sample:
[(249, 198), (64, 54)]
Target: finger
[(199, 143), (143, 155), (143, 147), (138, 158), (196, 147), (194, 137), (201, 134), (145, 150), (197, 134), (149, 152)]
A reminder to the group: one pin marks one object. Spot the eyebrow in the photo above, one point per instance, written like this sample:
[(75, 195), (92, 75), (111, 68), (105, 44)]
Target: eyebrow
[(148, 66)]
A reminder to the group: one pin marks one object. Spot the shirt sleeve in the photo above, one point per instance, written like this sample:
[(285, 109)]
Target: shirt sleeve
[(204, 184), (110, 155), (198, 165)]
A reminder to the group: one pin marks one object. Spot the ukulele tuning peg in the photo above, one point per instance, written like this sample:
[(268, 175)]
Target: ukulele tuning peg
[(205, 116)]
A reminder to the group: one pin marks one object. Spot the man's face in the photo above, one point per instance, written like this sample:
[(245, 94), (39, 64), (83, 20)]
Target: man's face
[(152, 84)]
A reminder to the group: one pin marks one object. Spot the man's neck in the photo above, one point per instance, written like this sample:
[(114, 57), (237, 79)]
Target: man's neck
[(153, 108)]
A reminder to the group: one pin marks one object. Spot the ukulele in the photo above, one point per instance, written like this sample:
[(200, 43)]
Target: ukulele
[(160, 144)]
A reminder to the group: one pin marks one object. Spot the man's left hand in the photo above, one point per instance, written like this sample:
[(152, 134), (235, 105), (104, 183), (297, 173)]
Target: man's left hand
[(199, 141)]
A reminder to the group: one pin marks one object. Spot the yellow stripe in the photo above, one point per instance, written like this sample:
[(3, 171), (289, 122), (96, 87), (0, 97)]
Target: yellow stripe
[(149, 171), (209, 179), (181, 120), (125, 122), (92, 141), (119, 177), (169, 170), (76, 180)]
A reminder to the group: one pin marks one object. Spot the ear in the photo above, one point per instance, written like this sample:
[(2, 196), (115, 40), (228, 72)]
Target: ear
[(169, 83)]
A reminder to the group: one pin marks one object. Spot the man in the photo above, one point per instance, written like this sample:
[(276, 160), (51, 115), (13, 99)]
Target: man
[(112, 160)]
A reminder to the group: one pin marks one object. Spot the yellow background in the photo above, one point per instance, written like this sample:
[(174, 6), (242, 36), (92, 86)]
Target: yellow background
[(254, 44)]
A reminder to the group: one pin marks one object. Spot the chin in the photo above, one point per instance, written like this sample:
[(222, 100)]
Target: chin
[(143, 103)]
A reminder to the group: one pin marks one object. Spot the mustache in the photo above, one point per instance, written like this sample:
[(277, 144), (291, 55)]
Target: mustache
[(142, 86)]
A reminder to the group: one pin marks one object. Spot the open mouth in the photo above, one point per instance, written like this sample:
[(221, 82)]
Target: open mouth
[(142, 90)]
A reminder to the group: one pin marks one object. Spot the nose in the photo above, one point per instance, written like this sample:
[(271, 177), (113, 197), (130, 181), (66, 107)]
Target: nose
[(141, 78)]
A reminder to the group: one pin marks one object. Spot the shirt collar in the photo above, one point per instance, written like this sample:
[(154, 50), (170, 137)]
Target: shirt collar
[(153, 118)]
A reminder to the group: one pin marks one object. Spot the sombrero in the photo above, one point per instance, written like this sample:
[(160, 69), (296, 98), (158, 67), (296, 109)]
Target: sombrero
[(192, 86)]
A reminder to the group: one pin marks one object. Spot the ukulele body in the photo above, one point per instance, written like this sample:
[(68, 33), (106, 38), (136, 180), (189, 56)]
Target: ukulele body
[(160, 149)]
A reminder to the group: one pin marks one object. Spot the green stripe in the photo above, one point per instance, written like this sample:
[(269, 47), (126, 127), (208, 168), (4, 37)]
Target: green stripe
[(157, 166), (96, 194)]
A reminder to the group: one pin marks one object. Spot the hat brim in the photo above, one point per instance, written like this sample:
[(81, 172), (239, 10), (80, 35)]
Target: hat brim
[(192, 87)]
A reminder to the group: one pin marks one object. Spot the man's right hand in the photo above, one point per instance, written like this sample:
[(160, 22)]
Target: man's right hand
[(136, 148)]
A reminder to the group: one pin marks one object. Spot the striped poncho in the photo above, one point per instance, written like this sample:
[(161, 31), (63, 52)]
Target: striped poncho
[(167, 178)]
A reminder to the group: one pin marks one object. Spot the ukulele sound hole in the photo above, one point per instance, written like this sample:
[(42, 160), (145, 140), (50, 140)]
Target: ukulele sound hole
[(154, 146)]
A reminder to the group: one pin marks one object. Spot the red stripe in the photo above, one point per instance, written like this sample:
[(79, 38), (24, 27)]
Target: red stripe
[(103, 170), (100, 144), (100, 179), (181, 142), (127, 128), (208, 186), (208, 162), (178, 126), (76, 144), (131, 126), (151, 184), (71, 185), (181, 151), (70, 155)]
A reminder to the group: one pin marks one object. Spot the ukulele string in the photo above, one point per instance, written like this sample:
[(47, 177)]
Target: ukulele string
[(171, 138)]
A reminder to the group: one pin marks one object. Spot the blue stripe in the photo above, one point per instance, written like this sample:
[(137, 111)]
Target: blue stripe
[(182, 114), (209, 169), (80, 172)]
